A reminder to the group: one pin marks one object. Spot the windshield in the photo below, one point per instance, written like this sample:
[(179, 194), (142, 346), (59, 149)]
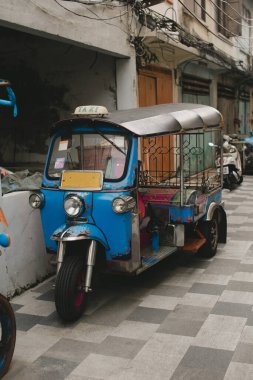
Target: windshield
[(89, 152)]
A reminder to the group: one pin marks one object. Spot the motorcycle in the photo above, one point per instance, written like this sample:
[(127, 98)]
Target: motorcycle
[(232, 166)]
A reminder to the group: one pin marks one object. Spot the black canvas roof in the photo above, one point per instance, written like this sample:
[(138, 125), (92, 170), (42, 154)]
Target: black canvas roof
[(159, 119)]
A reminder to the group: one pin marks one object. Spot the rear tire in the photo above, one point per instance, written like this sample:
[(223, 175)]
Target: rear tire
[(70, 297), (210, 231), (8, 335)]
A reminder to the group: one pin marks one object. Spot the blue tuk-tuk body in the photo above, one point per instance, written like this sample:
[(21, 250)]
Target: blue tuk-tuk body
[(124, 191)]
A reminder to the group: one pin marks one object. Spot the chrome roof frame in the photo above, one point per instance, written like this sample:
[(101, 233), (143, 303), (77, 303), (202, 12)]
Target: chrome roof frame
[(156, 120)]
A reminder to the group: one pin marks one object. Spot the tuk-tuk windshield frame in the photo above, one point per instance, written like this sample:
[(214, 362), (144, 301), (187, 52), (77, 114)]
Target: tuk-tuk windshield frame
[(89, 151)]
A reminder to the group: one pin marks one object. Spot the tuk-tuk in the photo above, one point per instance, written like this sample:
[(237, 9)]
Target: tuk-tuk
[(122, 191)]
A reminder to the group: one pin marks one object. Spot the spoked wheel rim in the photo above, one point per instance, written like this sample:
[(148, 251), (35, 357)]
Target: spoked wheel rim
[(214, 234), (70, 297), (80, 294)]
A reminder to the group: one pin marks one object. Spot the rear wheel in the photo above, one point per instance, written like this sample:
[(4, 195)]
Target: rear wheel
[(210, 231), (70, 297), (8, 334)]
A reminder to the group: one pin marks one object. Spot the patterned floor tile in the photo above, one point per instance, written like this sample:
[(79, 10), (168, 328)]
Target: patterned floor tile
[(162, 351), (222, 266), (188, 312), (150, 315), (241, 286), (232, 309), (186, 373), (243, 276), (113, 312), (202, 300), (239, 371), (135, 330), (25, 322), (70, 350), (180, 327), (36, 307), (99, 366), (47, 368), (203, 288), (169, 291), (244, 353), (237, 297), (200, 357), (30, 346), (88, 332), (160, 302), (220, 332), (207, 362), (121, 347), (184, 319)]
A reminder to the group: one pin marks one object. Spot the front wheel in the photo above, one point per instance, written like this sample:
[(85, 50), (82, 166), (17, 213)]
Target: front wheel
[(210, 231), (70, 297), (8, 334)]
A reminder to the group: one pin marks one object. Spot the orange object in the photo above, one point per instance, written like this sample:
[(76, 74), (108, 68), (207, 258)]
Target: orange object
[(3, 218)]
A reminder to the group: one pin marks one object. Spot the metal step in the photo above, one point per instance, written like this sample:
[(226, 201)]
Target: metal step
[(150, 258)]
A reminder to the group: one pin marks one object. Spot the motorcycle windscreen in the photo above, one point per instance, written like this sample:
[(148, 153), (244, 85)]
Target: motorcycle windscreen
[(82, 180)]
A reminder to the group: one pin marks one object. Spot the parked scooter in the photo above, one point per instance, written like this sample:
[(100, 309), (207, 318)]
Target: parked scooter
[(232, 166)]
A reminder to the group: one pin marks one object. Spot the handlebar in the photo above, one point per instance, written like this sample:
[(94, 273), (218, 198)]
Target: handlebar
[(11, 96)]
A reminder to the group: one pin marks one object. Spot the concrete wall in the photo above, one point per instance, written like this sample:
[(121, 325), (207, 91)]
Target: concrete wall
[(25, 262), (96, 27), (50, 79)]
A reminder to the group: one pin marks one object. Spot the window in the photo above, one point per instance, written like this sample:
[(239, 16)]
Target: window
[(198, 7), (92, 151), (229, 20)]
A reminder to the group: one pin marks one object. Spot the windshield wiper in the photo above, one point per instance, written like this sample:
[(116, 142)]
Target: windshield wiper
[(110, 141)]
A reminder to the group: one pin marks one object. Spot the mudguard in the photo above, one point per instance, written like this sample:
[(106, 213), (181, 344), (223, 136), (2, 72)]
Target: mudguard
[(78, 232)]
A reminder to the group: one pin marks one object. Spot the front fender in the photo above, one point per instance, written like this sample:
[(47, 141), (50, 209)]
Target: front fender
[(79, 232)]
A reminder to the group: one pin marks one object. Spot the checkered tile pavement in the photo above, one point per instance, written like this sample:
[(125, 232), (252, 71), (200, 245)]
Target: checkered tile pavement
[(184, 319)]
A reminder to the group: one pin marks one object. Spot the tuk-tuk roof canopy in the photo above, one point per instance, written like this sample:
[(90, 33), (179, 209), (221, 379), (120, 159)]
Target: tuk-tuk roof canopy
[(159, 119)]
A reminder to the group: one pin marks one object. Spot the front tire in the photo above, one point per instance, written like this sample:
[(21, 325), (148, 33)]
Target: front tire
[(210, 231), (8, 335), (70, 297)]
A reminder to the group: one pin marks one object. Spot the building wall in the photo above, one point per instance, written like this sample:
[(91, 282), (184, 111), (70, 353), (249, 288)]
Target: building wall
[(50, 79), (232, 67), (25, 262)]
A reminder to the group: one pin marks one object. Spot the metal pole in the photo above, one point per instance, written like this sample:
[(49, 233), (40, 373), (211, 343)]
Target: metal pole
[(60, 255), (181, 141), (91, 258)]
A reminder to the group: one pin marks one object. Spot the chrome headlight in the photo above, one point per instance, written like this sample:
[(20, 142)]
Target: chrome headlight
[(73, 205), (123, 204), (36, 200)]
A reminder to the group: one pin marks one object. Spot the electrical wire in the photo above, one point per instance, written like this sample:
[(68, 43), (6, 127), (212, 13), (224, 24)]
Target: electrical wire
[(227, 15), (90, 18), (209, 30), (240, 39), (235, 10), (221, 25), (107, 3)]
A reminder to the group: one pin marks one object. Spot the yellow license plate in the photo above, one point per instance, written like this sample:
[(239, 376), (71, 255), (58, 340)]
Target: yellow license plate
[(82, 180)]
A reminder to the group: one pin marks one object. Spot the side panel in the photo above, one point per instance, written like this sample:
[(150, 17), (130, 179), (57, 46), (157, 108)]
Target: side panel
[(52, 215), (116, 227)]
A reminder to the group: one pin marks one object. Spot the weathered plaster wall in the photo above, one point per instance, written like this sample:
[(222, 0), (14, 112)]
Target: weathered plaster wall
[(50, 79), (97, 27), (25, 262)]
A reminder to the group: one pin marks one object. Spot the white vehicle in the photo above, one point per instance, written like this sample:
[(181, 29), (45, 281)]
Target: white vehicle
[(232, 166)]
